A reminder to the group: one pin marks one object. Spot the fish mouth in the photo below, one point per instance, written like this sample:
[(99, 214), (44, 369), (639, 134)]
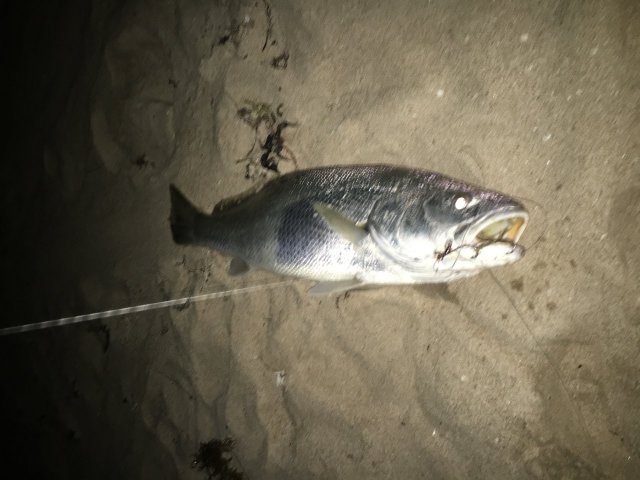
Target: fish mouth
[(504, 226)]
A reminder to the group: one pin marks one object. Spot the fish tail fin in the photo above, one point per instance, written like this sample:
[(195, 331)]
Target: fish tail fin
[(184, 217)]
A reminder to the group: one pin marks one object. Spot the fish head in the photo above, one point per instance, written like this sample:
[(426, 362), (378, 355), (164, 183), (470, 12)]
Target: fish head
[(457, 230), (490, 224)]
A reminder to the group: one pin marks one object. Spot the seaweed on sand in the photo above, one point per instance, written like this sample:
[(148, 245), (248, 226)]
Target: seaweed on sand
[(214, 458)]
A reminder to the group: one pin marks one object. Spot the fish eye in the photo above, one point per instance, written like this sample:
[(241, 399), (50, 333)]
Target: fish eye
[(461, 202), (464, 201)]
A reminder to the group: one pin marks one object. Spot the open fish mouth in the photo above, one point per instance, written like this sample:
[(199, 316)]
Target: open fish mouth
[(507, 226)]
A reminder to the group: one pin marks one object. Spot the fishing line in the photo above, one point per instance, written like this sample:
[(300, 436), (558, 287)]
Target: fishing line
[(88, 317), (554, 368)]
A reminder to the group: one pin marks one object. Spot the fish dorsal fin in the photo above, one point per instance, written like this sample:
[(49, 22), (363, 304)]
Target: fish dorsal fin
[(340, 224)]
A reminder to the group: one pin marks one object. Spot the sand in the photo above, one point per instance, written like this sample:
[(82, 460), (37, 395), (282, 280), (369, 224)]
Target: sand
[(529, 371)]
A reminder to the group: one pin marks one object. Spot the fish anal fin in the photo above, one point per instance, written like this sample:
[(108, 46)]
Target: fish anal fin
[(340, 224), (238, 267), (333, 287)]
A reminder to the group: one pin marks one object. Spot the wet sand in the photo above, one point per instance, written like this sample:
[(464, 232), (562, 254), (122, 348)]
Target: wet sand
[(528, 371)]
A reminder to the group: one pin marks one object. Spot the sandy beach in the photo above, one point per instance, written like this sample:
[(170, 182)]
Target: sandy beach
[(529, 371)]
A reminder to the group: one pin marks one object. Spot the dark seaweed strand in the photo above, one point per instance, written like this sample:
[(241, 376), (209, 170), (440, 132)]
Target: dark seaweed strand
[(267, 9)]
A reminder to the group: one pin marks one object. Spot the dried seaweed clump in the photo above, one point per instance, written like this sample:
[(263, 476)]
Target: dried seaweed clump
[(270, 123)]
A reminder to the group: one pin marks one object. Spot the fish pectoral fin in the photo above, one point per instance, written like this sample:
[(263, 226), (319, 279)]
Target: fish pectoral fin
[(238, 267), (340, 224), (338, 286)]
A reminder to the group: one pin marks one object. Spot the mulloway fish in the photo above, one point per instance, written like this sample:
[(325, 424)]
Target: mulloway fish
[(353, 226)]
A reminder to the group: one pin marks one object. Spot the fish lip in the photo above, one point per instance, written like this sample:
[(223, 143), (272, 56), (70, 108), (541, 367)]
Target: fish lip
[(514, 213)]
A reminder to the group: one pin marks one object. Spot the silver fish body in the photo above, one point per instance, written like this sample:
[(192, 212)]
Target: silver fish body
[(348, 226)]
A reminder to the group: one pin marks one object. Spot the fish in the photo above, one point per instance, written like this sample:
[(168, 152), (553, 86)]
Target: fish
[(356, 226)]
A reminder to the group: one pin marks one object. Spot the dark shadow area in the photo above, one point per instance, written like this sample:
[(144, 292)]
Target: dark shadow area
[(49, 54)]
